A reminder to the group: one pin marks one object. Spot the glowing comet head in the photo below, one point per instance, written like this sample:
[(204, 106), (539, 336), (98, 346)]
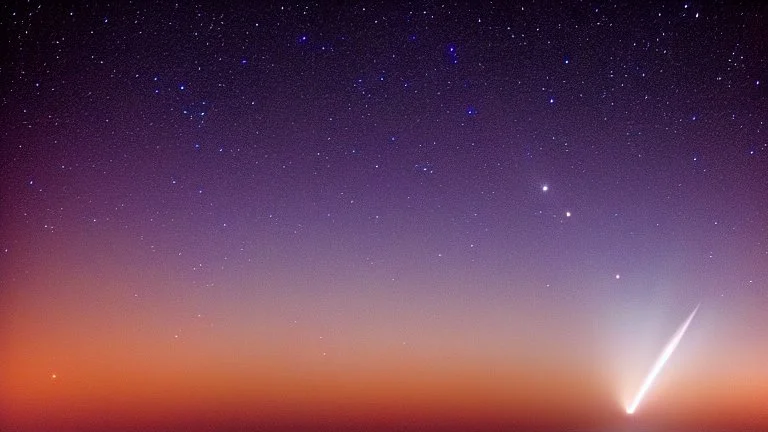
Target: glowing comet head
[(668, 350)]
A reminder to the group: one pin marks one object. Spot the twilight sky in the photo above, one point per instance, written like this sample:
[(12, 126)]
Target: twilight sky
[(382, 216)]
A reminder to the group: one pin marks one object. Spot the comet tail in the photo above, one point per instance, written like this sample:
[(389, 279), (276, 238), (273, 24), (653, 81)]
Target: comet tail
[(668, 350)]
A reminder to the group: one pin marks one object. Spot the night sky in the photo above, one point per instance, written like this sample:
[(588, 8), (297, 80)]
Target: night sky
[(379, 216)]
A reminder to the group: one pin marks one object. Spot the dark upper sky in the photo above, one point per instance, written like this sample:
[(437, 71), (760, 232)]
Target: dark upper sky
[(354, 192)]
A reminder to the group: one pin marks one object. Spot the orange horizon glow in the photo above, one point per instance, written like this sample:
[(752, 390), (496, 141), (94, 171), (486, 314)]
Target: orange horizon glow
[(76, 370)]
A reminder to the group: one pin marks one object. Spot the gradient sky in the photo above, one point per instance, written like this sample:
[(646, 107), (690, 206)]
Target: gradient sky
[(413, 216)]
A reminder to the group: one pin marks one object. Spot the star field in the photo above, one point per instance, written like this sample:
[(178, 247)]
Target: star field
[(378, 215)]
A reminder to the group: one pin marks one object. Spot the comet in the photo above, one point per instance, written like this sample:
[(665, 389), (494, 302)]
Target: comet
[(663, 357)]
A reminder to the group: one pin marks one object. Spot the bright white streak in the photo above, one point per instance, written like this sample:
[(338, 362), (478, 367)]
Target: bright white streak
[(668, 350)]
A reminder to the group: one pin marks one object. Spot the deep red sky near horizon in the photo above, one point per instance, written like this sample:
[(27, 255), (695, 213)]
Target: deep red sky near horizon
[(382, 217)]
